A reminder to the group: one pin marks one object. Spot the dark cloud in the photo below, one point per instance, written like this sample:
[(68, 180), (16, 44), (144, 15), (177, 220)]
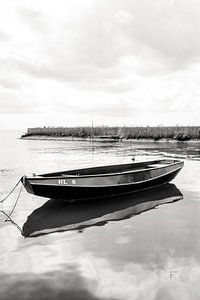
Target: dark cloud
[(65, 284)]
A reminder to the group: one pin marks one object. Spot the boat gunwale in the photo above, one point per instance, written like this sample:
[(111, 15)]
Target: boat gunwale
[(105, 186), (42, 177)]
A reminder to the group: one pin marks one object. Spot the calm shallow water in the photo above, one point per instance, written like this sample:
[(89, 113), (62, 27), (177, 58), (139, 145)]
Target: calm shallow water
[(145, 246)]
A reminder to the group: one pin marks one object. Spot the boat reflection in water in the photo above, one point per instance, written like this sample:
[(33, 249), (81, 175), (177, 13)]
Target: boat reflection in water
[(57, 216)]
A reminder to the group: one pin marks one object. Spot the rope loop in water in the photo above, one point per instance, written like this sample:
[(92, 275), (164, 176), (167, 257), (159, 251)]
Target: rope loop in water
[(8, 216), (11, 191)]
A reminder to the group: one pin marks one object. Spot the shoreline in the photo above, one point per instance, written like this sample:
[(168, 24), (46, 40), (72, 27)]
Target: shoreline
[(50, 138)]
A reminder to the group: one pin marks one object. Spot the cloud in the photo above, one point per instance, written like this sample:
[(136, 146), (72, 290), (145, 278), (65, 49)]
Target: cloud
[(160, 36), (4, 36), (67, 283), (140, 58), (37, 20)]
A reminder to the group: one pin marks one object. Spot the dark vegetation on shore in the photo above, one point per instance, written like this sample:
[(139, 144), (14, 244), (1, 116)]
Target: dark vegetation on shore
[(179, 133)]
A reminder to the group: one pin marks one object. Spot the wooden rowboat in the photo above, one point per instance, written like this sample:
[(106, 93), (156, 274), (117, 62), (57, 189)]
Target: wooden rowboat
[(104, 181)]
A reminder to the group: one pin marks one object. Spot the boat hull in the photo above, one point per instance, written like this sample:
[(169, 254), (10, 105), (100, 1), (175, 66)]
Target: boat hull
[(75, 192)]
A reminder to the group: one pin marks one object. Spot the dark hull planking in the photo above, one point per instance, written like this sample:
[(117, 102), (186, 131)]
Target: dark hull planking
[(101, 186)]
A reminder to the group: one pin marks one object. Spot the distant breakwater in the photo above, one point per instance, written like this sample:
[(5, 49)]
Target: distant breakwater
[(177, 133)]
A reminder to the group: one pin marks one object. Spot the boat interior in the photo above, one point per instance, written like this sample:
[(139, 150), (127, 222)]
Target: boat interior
[(113, 168)]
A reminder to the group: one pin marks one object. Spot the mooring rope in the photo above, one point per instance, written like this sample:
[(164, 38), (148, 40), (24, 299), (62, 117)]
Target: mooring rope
[(11, 191), (13, 222), (14, 206)]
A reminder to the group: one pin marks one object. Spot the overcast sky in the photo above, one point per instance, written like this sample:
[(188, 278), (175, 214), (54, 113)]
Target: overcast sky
[(113, 62)]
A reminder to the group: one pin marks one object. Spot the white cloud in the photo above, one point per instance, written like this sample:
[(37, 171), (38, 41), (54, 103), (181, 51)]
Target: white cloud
[(123, 16), (125, 62)]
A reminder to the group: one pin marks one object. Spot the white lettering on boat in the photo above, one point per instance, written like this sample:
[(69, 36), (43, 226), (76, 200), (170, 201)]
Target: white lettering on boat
[(73, 181), (62, 181)]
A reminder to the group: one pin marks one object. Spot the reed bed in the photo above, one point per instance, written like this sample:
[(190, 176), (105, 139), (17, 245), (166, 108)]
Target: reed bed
[(180, 133)]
